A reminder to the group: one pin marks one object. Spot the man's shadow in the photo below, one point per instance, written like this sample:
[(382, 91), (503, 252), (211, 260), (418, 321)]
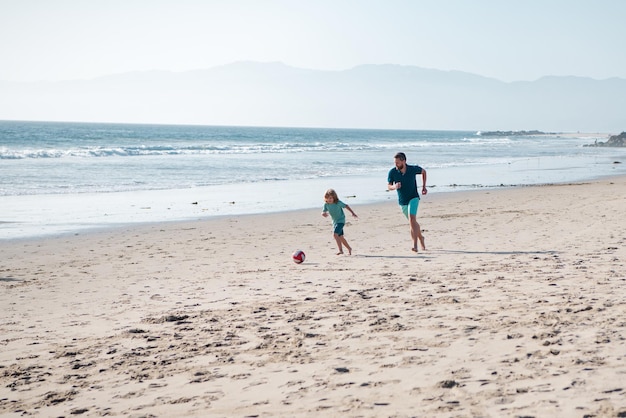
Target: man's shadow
[(432, 253)]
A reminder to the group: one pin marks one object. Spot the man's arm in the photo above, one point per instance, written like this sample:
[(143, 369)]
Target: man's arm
[(424, 191), (392, 186)]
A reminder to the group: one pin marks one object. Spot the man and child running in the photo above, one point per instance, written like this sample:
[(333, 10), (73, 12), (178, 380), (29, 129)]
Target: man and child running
[(403, 179)]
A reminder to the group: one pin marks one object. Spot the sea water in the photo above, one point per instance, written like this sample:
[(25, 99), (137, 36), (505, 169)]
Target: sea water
[(60, 178)]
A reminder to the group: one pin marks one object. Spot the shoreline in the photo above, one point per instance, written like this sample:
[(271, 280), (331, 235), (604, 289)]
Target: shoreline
[(391, 197), (74, 206), (516, 308)]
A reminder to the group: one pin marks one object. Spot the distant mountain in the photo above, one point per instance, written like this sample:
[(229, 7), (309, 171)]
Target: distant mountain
[(367, 96)]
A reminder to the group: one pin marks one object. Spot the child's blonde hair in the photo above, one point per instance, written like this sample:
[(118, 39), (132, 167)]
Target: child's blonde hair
[(332, 194)]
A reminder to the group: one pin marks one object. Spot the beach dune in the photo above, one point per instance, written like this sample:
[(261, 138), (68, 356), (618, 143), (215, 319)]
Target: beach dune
[(517, 308)]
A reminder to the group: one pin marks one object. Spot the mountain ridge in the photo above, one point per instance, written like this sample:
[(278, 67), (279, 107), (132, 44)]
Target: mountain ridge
[(386, 96)]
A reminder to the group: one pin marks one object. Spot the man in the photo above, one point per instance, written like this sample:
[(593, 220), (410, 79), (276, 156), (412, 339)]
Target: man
[(402, 178)]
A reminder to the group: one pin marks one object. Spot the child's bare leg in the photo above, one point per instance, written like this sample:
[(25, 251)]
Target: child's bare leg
[(338, 239), (343, 240)]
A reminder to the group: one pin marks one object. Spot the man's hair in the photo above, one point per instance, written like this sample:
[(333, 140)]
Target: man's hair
[(400, 156)]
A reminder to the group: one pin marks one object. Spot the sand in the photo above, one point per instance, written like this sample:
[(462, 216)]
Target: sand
[(517, 308)]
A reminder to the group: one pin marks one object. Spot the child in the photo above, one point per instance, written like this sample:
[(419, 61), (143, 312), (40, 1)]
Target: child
[(334, 206)]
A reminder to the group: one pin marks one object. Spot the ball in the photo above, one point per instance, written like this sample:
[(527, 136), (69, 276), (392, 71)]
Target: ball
[(298, 256)]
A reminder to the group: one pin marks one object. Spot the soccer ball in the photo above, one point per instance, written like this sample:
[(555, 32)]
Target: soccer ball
[(298, 256)]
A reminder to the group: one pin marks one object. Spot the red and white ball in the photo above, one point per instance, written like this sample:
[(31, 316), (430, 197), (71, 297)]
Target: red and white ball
[(298, 256)]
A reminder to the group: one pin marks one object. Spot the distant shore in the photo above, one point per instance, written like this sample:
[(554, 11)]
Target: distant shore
[(541, 133)]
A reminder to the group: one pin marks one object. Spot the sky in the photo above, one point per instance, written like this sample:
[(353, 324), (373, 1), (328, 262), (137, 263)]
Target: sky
[(53, 40)]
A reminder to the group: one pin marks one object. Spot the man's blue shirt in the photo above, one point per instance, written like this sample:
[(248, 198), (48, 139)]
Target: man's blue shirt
[(408, 189)]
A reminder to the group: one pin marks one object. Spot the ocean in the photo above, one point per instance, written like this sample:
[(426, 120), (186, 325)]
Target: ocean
[(60, 178)]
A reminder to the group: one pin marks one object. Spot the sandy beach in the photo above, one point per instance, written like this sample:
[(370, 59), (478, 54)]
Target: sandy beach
[(517, 308)]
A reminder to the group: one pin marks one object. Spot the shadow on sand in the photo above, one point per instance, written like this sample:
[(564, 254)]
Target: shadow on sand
[(431, 253)]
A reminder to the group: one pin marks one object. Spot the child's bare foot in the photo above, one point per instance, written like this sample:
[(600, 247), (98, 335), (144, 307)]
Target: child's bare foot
[(414, 249), (340, 252), (349, 250)]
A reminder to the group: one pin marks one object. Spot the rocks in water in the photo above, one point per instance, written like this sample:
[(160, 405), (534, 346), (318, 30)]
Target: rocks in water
[(614, 141), (511, 133)]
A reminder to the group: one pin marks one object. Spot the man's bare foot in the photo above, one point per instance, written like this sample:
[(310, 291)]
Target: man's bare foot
[(423, 244)]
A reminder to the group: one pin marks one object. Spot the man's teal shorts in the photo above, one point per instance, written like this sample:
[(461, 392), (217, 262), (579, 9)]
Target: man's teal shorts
[(411, 208)]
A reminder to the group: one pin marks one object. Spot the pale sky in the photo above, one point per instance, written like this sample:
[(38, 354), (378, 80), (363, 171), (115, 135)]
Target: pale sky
[(505, 39)]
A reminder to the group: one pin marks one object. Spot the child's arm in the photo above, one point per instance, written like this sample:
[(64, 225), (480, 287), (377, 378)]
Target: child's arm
[(351, 211), (324, 214)]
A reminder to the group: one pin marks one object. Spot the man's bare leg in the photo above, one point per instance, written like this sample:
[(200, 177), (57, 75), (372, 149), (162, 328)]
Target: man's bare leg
[(420, 236), (416, 233)]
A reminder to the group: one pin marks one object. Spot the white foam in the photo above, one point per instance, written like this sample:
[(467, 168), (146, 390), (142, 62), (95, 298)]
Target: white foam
[(41, 215)]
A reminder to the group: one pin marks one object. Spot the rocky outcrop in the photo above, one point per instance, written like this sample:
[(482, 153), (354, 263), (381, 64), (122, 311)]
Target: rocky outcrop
[(510, 133), (614, 141)]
